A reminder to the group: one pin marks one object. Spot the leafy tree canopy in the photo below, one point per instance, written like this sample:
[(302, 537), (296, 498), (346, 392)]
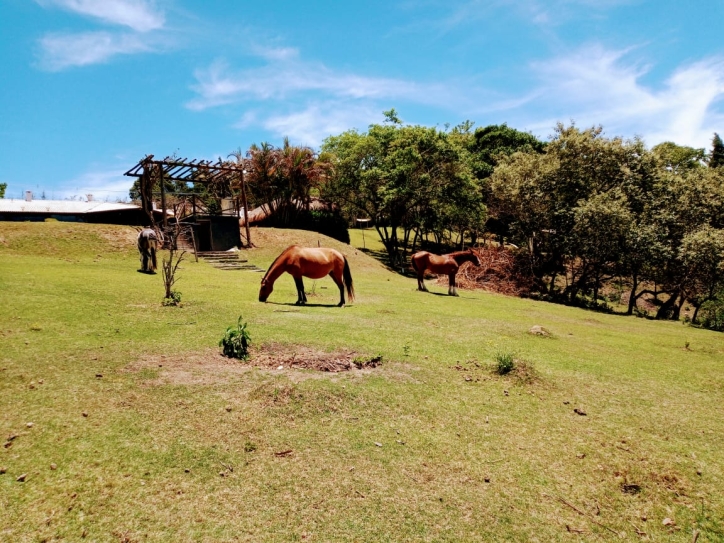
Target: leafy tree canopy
[(679, 158), (716, 157), (491, 143)]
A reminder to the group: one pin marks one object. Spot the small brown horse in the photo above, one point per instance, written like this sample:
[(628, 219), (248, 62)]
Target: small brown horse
[(312, 262), (441, 264)]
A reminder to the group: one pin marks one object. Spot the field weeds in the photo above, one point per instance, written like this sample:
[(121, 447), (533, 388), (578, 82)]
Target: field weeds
[(609, 429)]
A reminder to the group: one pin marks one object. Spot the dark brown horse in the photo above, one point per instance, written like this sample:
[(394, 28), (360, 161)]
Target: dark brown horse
[(441, 264), (312, 262)]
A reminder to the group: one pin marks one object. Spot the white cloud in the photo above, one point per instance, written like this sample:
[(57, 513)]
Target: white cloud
[(543, 13), (60, 51), (219, 85), (140, 15), (105, 185), (276, 53), (317, 121), (597, 86)]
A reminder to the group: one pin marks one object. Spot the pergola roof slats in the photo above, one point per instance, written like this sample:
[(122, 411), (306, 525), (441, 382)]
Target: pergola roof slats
[(190, 171), (150, 174)]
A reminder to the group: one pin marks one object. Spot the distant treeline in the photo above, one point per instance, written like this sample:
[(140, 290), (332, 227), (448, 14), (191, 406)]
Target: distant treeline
[(590, 214), (587, 211)]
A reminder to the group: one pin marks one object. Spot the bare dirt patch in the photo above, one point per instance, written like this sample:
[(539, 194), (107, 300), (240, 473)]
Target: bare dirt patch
[(209, 366)]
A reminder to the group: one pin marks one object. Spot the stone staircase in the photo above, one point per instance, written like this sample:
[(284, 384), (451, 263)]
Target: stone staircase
[(228, 260)]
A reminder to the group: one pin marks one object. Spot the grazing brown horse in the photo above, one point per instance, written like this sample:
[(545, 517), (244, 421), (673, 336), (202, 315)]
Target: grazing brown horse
[(147, 246), (441, 264), (312, 262)]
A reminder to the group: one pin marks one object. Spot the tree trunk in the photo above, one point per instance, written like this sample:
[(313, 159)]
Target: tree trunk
[(669, 306), (632, 297)]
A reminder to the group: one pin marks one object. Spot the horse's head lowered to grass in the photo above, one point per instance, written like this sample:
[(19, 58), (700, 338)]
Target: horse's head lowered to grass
[(266, 289), (312, 262)]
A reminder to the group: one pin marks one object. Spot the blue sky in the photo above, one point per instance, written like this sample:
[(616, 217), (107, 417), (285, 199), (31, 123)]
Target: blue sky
[(89, 87)]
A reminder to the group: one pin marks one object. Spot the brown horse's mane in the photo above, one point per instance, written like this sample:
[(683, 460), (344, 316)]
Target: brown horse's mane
[(458, 254), (276, 260)]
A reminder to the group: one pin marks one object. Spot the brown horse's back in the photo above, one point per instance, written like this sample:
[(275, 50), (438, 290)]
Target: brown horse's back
[(439, 264), (313, 262)]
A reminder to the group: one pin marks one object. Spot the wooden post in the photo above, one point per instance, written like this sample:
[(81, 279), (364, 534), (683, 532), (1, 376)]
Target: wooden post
[(146, 185), (246, 214), (163, 196), (193, 241)]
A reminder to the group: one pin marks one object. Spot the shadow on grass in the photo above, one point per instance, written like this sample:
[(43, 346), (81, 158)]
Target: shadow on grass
[(446, 295), (293, 304)]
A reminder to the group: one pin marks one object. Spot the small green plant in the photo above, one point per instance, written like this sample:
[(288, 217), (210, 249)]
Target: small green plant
[(236, 341), (174, 299), (505, 362), (406, 349), (362, 362)]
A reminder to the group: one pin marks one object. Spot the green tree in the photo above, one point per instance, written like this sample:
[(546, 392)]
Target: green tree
[(545, 196), (702, 258), (491, 143), (598, 239), (410, 180), (284, 179), (3, 187), (645, 251), (716, 157), (679, 158)]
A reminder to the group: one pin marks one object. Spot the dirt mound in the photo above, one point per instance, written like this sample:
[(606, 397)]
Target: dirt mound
[(274, 356)]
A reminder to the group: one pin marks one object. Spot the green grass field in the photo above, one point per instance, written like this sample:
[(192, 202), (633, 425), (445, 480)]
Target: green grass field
[(140, 431)]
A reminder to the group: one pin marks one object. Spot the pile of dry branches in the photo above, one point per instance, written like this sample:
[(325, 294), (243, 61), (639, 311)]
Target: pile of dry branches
[(500, 270)]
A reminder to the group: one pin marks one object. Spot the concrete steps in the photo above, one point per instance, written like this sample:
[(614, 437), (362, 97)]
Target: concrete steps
[(228, 260)]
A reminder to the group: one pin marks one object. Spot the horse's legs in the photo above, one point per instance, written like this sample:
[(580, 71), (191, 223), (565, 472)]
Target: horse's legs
[(301, 297), (452, 290), (340, 283), (421, 281)]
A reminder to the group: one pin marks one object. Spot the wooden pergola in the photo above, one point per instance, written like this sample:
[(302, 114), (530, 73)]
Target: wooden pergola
[(152, 173)]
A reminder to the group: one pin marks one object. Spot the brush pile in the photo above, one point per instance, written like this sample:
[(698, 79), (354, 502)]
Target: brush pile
[(501, 270)]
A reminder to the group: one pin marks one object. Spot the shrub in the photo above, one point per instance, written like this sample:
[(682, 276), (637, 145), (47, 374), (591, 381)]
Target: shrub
[(711, 315), (505, 363), (174, 299), (236, 340)]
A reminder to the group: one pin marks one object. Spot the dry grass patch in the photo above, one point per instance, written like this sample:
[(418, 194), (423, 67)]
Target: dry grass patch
[(209, 366), (206, 367)]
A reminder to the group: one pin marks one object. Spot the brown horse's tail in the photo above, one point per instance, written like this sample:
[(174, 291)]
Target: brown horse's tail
[(347, 274), (412, 262)]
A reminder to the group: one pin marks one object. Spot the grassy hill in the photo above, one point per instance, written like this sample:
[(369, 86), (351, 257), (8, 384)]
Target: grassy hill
[(140, 431)]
